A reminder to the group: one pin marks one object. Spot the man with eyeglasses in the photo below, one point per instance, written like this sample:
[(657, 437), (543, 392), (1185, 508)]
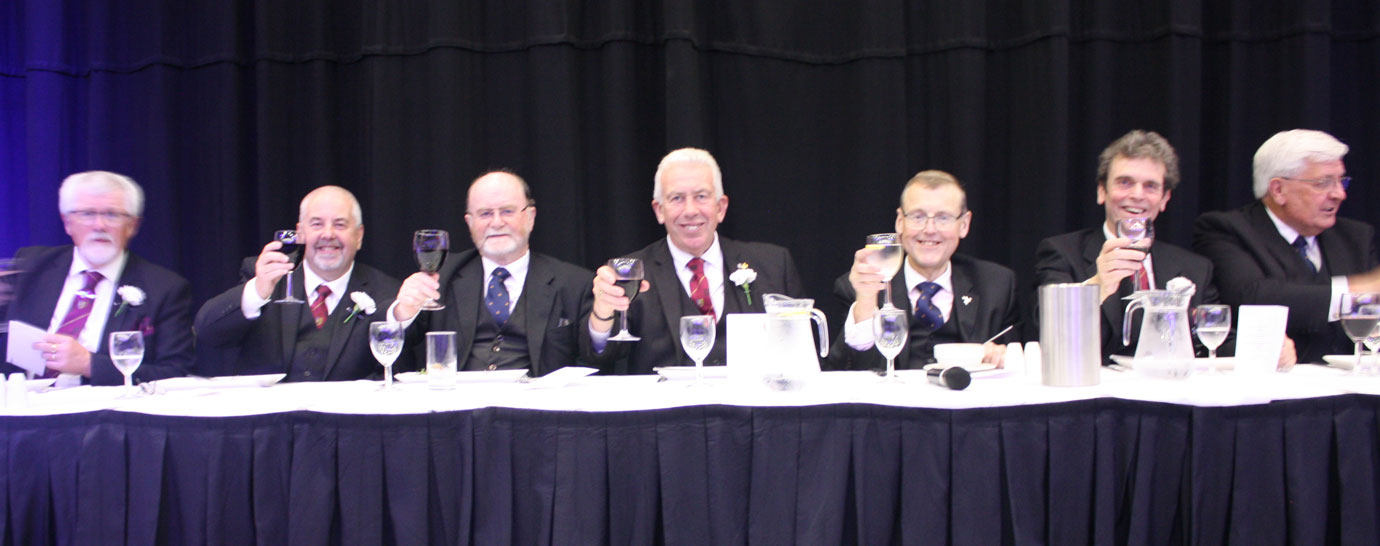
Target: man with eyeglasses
[(1289, 247), (1136, 176), (326, 338), (510, 308), (80, 293), (952, 298)]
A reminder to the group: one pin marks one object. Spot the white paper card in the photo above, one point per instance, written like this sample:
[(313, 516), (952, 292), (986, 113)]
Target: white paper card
[(746, 343), (1259, 337), (20, 348)]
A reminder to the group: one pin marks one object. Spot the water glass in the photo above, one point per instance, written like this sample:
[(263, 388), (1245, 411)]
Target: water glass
[(440, 360)]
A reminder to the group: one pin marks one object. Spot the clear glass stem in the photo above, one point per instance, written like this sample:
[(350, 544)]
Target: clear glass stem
[(623, 320), (388, 376), (887, 302), (129, 385), (1358, 368), (1212, 353), (1139, 276), (890, 367), (699, 371), (287, 288)]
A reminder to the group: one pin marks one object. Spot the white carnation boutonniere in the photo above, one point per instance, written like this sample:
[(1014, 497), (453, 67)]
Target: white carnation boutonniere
[(130, 296), (363, 304), (743, 277)]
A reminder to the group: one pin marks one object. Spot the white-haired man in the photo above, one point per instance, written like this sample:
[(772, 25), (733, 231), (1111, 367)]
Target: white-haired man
[(1289, 247), (82, 292), (326, 339), (687, 273)]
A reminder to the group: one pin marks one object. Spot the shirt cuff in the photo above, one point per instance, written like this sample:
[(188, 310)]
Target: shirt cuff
[(405, 323), (1334, 305), (857, 335), (250, 302), (598, 340)]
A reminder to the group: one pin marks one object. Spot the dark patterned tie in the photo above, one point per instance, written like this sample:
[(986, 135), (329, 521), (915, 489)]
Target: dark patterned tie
[(318, 307), (927, 315), (699, 288), (76, 316), (1301, 245), (496, 298)]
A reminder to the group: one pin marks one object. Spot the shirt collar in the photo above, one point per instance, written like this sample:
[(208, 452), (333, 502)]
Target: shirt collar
[(1289, 234), (713, 256), (337, 286), (517, 269), (110, 271), (945, 280)]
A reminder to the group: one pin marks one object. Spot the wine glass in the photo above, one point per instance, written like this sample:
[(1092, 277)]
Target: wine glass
[(697, 338), (1141, 232), (126, 352), (889, 331), (386, 342), (1212, 322), (1359, 311), (629, 274), (1372, 342), (431, 246), (292, 248), (887, 256)]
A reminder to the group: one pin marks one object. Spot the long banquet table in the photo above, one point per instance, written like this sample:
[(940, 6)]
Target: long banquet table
[(1221, 459)]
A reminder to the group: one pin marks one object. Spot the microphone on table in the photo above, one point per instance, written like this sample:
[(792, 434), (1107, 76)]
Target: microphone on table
[(953, 377)]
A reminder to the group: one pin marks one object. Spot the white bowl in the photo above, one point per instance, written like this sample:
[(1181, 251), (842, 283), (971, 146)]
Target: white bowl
[(958, 354)]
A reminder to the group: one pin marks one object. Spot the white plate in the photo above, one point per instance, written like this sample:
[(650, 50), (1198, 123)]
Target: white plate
[(1223, 363), (37, 385), (1345, 362), (680, 373), (972, 368), (224, 381), (496, 376)]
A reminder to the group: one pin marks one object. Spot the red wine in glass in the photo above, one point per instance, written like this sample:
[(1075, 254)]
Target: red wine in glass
[(431, 246), (292, 247)]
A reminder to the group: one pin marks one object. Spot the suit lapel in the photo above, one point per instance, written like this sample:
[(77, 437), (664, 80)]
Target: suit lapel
[(1283, 252), (735, 298), (292, 314), (359, 282), (965, 302), (465, 296), (538, 294), (1336, 256), (900, 297), (47, 288), (663, 273), (126, 321), (1092, 247)]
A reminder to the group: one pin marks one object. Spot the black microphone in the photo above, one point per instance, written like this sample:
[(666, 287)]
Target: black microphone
[(954, 377)]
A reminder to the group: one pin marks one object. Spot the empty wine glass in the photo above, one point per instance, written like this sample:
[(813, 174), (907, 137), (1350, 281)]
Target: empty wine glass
[(1212, 323), (697, 338), (127, 352), (431, 247), (1359, 311), (292, 247), (386, 342), (887, 256), (1141, 232), (628, 272), (890, 329)]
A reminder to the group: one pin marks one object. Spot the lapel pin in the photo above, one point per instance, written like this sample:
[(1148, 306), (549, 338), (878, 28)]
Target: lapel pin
[(967, 300)]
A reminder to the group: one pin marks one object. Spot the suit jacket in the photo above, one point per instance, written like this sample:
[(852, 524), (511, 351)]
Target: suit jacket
[(1255, 265), (985, 302), (655, 314), (233, 345), (1072, 257), (165, 317), (556, 295)]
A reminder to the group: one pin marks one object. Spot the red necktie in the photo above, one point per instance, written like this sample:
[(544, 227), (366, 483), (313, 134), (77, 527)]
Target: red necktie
[(699, 288), (80, 310), (1144, 278), (318, 307)]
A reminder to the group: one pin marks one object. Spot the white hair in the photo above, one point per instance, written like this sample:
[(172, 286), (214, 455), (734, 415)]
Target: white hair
[(688, 155), (100, 183), (354, 203), (1288, 153)]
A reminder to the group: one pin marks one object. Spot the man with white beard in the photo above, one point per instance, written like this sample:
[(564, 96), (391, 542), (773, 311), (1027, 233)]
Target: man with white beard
[(510, 308), (81, 292), (324, 339)]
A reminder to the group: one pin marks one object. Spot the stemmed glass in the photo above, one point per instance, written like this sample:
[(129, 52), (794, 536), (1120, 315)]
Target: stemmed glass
[(1372, 342), (697, 338), (887, 256), (1359, 311), (386, 342), (292, 247), (1141, 232), (1212, 322), (889, 332), (127, 352), (431, 246), (628, 272)]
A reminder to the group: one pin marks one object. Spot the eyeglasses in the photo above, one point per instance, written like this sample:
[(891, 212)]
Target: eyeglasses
[(506, 213), (86, 216), (1324, 184), (942, 220)]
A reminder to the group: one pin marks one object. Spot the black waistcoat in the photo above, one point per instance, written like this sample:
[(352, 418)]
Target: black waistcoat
[(498, 348)]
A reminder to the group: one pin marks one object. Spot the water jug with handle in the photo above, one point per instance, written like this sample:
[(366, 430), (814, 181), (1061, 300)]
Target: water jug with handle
[(1165, 347)]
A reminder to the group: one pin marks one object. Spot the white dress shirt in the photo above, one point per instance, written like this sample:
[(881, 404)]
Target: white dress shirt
[(90, 336), (858, 335), (252, 305), (1339, 283)]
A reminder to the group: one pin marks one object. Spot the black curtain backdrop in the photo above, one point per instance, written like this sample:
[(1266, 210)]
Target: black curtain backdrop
[(228, 112)]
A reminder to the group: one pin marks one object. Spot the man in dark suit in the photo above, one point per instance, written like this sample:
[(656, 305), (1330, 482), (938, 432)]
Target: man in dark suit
[(688, 273), (327, 338), (1289, 247), (952, 298), (510, 308), (1136, 175), (80, 293)]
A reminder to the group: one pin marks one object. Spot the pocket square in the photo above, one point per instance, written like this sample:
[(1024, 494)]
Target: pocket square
[(562, 322)]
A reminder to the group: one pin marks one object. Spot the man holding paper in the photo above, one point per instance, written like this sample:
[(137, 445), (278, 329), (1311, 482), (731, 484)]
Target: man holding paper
[(80, 293)]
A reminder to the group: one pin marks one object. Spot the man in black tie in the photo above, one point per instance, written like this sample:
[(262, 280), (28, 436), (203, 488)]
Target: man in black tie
[(693, 271), (953, 298), (1289, 247), (510, 308)]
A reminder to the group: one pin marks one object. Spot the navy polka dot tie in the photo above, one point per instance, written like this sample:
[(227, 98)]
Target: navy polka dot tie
[(1301, 245), (496, 299), (927, 315)]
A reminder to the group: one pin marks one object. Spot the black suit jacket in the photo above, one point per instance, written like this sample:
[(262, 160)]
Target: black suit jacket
[(655, 314), (1072, 257), (985, 302), (233, 345), (1255, 265), (556, 294), (165, 317)]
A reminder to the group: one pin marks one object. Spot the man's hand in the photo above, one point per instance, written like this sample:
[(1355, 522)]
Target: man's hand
[(867, 281), (608, 298), (64, 354), (1287, 356), (1364, 282), (415, 290), (1114, 263), (994, 354), (269, 268)]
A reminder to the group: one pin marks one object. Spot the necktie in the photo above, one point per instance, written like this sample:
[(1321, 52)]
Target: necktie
[(496, 298), (1301, 245), (699, 288), (318, 307), (76, 316), (927, 315), (1144, 277)]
